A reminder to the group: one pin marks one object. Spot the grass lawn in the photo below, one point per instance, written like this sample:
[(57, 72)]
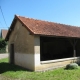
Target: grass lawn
[(12, 72)]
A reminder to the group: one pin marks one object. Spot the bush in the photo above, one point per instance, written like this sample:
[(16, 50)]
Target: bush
[(72, 66), (3, 50), (3, 44)]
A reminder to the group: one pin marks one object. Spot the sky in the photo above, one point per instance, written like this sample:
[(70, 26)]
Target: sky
[(60, 11)]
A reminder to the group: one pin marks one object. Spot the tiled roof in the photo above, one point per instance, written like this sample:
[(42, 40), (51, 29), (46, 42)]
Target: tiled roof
[(3, 33), (39, 27), (49, 28)]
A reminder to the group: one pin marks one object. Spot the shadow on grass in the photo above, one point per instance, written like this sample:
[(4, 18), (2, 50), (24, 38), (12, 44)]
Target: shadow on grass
[(4, 67)]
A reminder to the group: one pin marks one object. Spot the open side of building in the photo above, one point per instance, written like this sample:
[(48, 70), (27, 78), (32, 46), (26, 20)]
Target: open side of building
[(41, 45)]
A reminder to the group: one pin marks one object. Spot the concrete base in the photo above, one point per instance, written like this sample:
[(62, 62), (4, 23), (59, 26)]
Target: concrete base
[(32, 62), (52, 64), (25, 60), (28, 61)]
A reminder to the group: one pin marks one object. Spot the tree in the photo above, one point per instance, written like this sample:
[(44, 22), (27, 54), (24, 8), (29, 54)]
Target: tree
[(3, 43)]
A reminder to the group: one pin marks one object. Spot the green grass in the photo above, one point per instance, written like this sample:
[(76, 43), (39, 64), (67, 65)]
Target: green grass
[(13, 72)]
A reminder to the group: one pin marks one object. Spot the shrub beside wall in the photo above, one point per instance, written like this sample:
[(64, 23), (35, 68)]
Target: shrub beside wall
[(3, 44), (72, 66), (3, 50)]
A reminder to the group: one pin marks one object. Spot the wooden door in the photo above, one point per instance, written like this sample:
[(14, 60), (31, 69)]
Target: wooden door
[(12, 54)]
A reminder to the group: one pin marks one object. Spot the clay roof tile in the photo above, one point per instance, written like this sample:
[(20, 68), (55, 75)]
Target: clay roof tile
[(40, 27), (50, 28)]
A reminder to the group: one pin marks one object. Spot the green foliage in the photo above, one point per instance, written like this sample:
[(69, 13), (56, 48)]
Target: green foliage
[(72, 66), (3, 44)]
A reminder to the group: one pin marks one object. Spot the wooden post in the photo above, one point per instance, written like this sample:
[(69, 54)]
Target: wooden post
[(74, 48), (74, 53)]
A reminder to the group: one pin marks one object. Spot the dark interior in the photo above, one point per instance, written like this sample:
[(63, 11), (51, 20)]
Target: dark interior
[(57, 48)]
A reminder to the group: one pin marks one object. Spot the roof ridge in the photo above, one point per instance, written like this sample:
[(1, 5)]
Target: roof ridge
[(48, 21), (45, 27)]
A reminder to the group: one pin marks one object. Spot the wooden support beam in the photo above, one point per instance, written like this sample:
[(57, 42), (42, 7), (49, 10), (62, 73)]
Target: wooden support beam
[(73, 43)]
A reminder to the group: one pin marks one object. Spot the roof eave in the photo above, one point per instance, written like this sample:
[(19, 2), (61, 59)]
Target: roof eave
[(12, 27), (56, 36)]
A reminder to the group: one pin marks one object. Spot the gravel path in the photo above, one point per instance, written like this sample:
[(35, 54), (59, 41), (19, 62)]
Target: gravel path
[(4, 55)]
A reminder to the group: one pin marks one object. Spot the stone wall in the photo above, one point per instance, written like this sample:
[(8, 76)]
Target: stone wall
[(23, 46)]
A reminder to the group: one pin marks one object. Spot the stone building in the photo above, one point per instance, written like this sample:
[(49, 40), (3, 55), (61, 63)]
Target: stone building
[(41, 45)]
